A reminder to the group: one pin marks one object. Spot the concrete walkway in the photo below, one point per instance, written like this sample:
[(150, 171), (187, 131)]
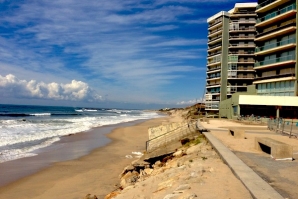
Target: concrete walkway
[(254, 183)]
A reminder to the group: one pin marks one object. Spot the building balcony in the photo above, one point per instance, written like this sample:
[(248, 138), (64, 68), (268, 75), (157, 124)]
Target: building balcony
[(216, 92), (213, 54), (244, 21), (240, 52), (212, 104), (277, 27), (269, 5), (215, 40), (238, 14), (211, 63), (242, 46), (214, 32), (214, 48), (250, 61), (214, 77), (213, 69), (274, 76), (214, 23), (281, 61), (278, 32), (242, 68), (277, 79), (249, 76), (242, 37), (275, 47), (212, 85), (243, 29), (245, 69), (277, 16)]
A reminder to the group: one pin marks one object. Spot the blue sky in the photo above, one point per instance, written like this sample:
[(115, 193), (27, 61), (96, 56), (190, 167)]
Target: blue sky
[(98, 53)]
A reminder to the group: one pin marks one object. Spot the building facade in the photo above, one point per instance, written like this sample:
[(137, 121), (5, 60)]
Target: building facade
[(276, 48), (274, 90), (230, 59)]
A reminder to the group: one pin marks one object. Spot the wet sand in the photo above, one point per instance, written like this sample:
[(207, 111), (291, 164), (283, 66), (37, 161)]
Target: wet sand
[(77, 165)]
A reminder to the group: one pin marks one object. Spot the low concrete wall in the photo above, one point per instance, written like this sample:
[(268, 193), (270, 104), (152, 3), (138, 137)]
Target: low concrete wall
[(164, 128), (278, 150), (236, 133)]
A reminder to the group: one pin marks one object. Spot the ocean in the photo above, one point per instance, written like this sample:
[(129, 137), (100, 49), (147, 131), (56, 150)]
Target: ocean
[(25, 129)]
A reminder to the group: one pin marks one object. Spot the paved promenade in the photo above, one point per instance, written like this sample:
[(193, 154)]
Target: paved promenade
[(263, 176)]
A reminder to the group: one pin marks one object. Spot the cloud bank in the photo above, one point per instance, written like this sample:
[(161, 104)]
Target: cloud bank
[(11, 86)]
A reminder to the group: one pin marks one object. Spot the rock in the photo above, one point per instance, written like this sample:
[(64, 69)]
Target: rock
[(89, 196), (112, 195), (129, 179), (148, 171), (194, 149), (171, 196), (178, 153), (129, 168), (157, 164), (182, 188), (141, 163)]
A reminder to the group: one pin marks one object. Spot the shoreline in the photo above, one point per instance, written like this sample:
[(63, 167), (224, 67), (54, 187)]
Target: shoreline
[(106, 160)]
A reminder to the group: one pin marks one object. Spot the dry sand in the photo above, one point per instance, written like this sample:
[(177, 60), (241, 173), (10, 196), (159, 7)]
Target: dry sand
[(96, 173)]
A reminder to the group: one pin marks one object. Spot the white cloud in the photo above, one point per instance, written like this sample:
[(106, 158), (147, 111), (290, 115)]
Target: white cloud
[(11, 86)]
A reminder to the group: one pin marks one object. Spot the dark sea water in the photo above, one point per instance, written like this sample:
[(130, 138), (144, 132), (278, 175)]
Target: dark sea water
[(24, 129)]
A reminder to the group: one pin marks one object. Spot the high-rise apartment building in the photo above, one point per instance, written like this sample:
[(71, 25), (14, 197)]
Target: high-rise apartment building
[(230, 59), (276, 48)]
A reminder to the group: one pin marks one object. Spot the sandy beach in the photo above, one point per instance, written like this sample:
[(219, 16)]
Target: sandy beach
[(96, 173)]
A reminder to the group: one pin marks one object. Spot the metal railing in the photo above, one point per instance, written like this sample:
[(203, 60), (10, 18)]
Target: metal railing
[(173, 135), (265, 3), (277, 44), (276, 60), (277, 13), (284, 126)]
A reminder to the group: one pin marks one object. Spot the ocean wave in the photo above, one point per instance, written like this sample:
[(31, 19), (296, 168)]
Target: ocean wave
[(40, 114), (19, 132), (13, 154), (85, 110), (36, 114)]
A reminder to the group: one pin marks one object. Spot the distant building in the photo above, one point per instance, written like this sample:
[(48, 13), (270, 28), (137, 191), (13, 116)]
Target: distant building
[(230, 59)]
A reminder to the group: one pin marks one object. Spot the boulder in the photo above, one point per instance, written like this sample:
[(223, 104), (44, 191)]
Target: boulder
[(182, 188), (112, 195), (127, 169), (148, 171), (140, 163), (157, 164), (129, 179), (178, 153)]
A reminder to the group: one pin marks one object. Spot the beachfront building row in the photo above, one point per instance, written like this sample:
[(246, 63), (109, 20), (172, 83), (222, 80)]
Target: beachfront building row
[(257, 50)]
